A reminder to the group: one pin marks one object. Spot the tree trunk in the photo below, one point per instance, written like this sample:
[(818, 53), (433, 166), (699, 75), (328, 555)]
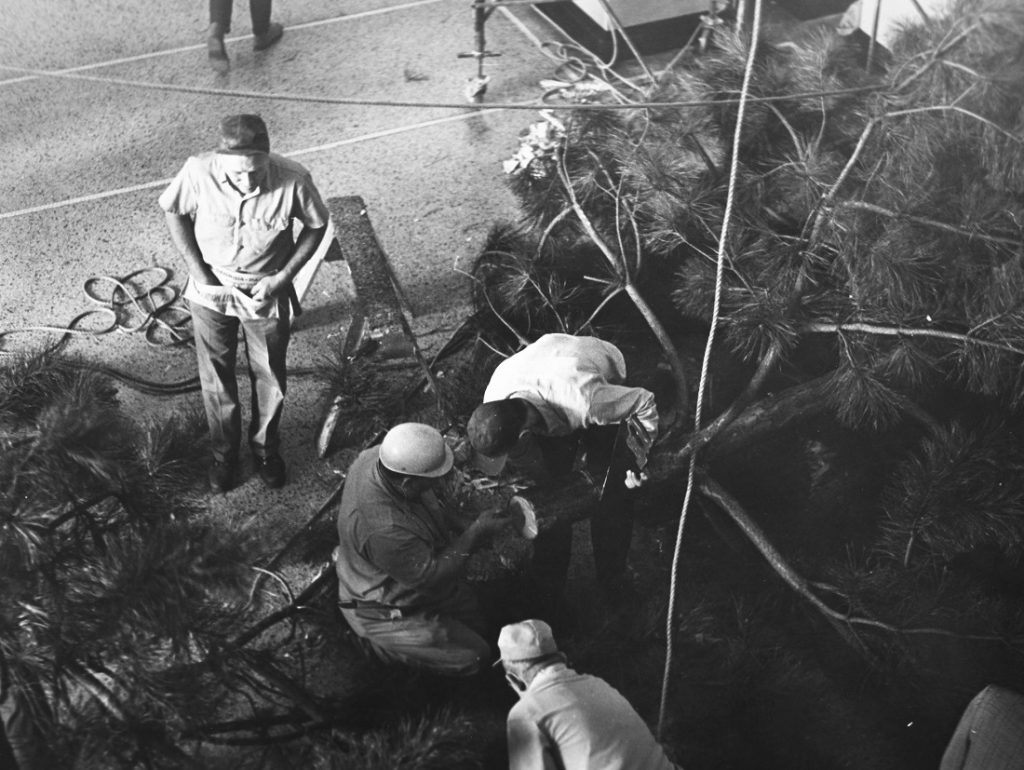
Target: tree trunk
[(575, 498)]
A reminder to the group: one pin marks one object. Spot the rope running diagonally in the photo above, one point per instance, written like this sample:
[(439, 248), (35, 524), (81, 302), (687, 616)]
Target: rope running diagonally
[(526, 105), (719, 269)]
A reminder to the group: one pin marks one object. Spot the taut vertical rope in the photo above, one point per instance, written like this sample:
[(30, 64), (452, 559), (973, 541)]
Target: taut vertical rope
[(755, 31)]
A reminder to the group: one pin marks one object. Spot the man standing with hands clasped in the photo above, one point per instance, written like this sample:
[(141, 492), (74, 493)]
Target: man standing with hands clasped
[(231, 213)]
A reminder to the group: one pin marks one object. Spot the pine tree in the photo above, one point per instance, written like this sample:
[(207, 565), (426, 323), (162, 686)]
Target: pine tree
[(872, 277)]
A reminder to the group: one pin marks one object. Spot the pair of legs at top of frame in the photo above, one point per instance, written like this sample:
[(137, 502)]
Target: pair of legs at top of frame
[(264, 31)]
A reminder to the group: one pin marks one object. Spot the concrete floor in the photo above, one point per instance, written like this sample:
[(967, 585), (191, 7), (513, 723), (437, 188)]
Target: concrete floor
[(85, 158), (101, 101)]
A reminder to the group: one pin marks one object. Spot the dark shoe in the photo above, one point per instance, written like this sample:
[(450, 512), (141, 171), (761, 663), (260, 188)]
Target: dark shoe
[(222, 476), (270, 469), (215, 48), (268, 38)]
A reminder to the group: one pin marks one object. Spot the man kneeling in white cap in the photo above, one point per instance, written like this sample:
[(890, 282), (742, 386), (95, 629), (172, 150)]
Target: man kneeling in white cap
[(568, 720)]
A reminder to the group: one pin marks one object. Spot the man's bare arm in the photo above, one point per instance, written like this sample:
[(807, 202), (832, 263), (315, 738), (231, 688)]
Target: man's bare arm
[(183, 234)]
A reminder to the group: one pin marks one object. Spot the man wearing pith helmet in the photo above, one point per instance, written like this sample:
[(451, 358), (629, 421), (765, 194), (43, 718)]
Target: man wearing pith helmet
[(568, 720), (400, 558)]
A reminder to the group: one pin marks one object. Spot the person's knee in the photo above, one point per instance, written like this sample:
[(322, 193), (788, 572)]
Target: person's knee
[(468, 660), (451, 660), (461, 654)]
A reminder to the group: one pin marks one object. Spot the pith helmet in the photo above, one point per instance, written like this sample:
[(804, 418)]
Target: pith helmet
[(415, 449)]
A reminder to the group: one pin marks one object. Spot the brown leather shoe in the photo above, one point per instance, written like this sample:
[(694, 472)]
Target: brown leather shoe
[(268, 38)]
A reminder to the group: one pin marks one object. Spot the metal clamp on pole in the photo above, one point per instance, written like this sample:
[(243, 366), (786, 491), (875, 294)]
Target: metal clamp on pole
[(477, 86)]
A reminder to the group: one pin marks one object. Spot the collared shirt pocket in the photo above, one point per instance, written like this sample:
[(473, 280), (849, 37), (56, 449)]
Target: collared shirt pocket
[(214, 220), (266, 236), (273, 223)]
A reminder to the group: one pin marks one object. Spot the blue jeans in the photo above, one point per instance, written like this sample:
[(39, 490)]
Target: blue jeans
[(266, 344)]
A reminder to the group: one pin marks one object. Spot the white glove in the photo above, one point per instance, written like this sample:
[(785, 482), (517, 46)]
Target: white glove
[(635, 480)]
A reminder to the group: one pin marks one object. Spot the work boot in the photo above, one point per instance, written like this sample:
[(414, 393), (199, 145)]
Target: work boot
[(268, 38), (270, 469), (221, 476), (215, 48)]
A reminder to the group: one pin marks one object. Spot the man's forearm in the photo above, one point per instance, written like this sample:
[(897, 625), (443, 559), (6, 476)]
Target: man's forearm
[(183, 235), (305, 247), (452, 560)]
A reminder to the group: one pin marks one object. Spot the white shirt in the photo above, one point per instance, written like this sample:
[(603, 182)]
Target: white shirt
[(571, 721), (575, 383)]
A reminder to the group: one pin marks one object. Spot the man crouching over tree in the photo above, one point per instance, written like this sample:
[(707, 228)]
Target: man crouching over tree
[(539, 406), (400, 561)]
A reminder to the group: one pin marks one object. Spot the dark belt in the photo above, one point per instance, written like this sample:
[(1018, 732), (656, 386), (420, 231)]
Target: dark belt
[(394, 611)]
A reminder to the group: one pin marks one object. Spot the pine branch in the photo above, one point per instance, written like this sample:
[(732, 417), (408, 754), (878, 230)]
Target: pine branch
[(842, 622), (819, 327), (82, 509), (259, 724), (299, 695), (706, 434), (323, 579), (617, 264), (881, 211), (325, 506), (718, 494), (95, 687), (826, 200), (933, 56)]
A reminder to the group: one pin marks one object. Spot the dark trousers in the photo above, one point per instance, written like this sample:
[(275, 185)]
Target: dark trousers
[(259, 11), (611, 524), (266, 345)]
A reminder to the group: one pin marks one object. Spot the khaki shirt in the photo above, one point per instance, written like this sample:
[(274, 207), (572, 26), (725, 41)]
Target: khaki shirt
[(389, 546), (571, 721), (249, 233), (243, 237)]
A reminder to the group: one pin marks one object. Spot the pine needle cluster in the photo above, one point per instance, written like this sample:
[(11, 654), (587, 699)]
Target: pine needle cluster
[(880, 211), (525, 289), (961, 491), (110, 578), (434, 741), (882, 206)]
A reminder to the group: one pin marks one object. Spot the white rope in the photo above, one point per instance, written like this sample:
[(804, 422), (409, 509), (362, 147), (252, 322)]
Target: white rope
[(719, 270), (530, 105)]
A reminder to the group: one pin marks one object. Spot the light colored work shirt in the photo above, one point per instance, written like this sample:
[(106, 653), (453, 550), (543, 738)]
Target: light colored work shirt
[(389, 545), (571, 721), (575, 383), (242, 237), (249, 233), (990, 735)]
